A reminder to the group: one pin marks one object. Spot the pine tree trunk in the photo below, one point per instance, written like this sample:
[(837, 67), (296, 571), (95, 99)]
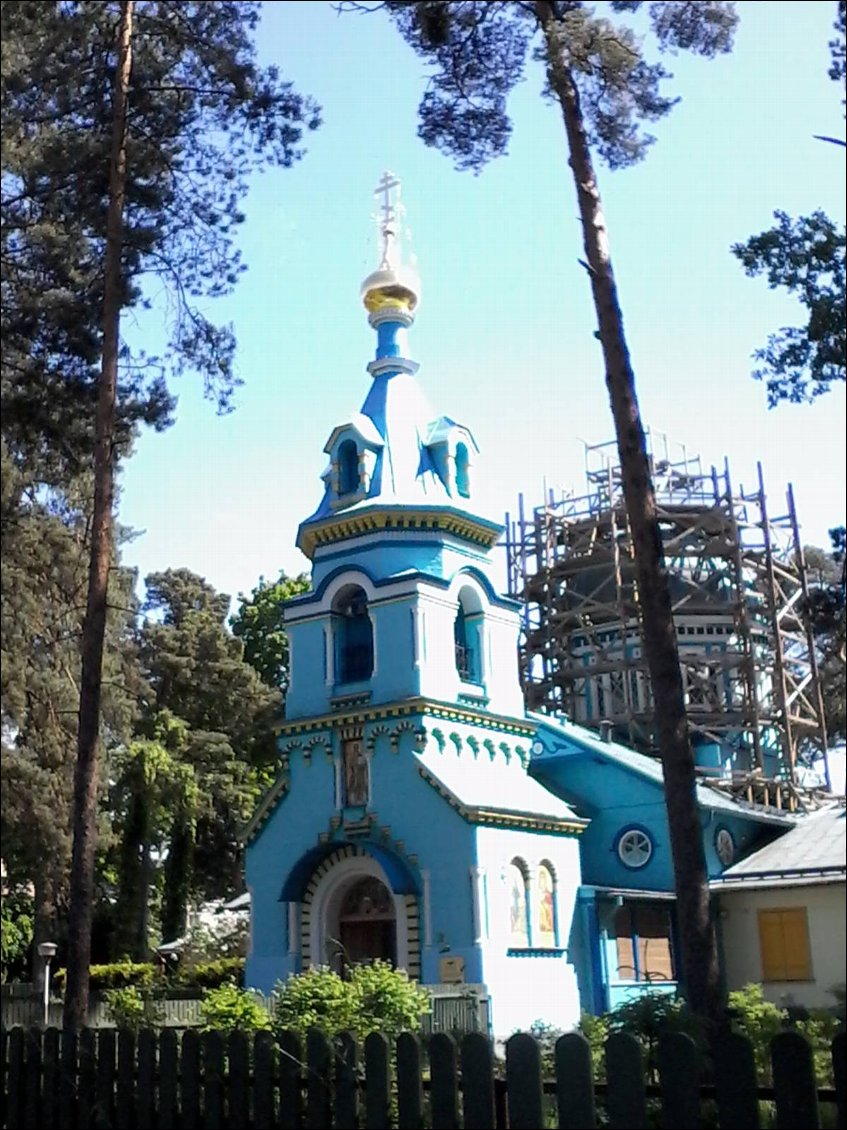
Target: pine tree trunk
[(94, 625), (43, 925), (696, 928)]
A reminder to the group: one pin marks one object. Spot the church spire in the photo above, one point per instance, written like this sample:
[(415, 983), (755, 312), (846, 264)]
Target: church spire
[(391, 293)]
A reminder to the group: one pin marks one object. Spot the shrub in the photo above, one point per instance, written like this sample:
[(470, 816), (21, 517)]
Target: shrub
[(131, 1009), (230, 1009), (651, 1016), (375, 998), (759, 1020), (117, 975), (213, 974), (317, 998), (596, 1031), (385, 1000)]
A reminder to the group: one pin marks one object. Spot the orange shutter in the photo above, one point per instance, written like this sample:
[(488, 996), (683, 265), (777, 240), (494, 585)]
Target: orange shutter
[(784, 942)]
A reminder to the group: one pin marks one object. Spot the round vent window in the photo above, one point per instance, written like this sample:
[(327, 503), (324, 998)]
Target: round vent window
[(635, 848), (537, 749)]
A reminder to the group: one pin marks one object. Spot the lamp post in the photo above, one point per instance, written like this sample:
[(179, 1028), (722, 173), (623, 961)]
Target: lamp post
[(47, 950)]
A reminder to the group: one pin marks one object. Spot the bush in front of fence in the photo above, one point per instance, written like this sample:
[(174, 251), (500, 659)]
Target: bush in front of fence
[(374, 997), (230, 1009)]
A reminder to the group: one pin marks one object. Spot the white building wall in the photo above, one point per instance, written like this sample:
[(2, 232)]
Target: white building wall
[(825, 909), (526, 987)]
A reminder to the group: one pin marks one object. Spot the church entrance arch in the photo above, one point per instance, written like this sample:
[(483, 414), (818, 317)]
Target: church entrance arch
[(353, 915)]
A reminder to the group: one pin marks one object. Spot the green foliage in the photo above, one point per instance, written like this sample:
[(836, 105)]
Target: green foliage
[(230, 1009), (213, 974), (596, 1031), (16, 928), (132, 1009), (805, 257), (204, 116), (375, 998), (116, 975), (385, 1000), (826, 613), (651, 1016), (478, 53), (258, 623), (757, 1019)]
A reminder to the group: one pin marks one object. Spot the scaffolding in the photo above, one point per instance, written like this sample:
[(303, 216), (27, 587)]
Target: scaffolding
[(738, 585)]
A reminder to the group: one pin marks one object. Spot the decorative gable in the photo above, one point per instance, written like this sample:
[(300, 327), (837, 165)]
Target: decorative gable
[(452, 448), (353, 449)]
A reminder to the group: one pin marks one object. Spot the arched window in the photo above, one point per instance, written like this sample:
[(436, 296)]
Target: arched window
[(348, 467), (463, 481), (354, 645), (518, 910), (466, 636), (545, 894)]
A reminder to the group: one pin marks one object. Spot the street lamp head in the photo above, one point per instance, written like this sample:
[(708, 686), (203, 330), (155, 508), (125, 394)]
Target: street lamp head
[(47, 949)]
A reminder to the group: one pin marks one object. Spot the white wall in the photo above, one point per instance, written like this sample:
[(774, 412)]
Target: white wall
[(524, 989), (825, 906)]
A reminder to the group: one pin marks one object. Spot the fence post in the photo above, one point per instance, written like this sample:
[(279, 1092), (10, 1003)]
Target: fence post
[(32, 1091), (290, 1090), (318, 1085), (145, 1083), (477, 1082), (736, 1082), (189, 1080), (443, 1088), (839, 1070), (794, 1082), (346, 1082), (51, 1080), (264, 1107), (213, 1081), (625, 1074), (86, 1080), (16, 1078), (574, 1082), (523, 1083), (409, 1082), (168, 1078), (104, 1109), (679, 1081), (377, 1082), (238, 1090), (67, 1082)]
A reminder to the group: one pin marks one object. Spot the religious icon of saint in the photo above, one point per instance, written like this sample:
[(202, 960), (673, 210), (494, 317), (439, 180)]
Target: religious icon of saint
[(546, 914), (518, 921), (355, 774)]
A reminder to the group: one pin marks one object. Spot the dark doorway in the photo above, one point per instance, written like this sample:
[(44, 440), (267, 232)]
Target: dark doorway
[(366, 925)]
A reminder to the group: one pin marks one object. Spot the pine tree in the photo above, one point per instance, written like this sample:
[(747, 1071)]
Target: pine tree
[(605, 88), (129, 132)]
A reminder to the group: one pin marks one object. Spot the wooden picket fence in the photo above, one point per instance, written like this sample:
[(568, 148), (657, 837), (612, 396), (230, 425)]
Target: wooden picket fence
[(104, 1080)]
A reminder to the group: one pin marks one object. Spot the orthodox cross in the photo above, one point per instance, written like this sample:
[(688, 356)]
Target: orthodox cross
[(389, 208)]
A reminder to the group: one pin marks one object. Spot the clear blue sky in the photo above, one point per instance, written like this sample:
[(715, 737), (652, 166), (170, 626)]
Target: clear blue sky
[(505, 328)]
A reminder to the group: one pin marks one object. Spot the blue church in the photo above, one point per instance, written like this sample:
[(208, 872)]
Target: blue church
[(421, 814)]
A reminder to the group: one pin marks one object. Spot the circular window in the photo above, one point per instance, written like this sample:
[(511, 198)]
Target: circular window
[(537, 748), (635, 848), (725, 846)]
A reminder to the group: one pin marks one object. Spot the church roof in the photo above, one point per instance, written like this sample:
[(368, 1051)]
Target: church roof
[(494, 790), (811, 852), (575, 740)]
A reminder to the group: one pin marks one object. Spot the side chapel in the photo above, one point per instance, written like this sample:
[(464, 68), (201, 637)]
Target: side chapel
[(421, 814)]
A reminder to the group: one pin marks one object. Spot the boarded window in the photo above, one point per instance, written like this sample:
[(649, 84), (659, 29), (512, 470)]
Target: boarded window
[(643, 938), (784, 943)]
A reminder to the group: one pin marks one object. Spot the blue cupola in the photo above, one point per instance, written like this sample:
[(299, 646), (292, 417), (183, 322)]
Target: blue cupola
[(403, 601)]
